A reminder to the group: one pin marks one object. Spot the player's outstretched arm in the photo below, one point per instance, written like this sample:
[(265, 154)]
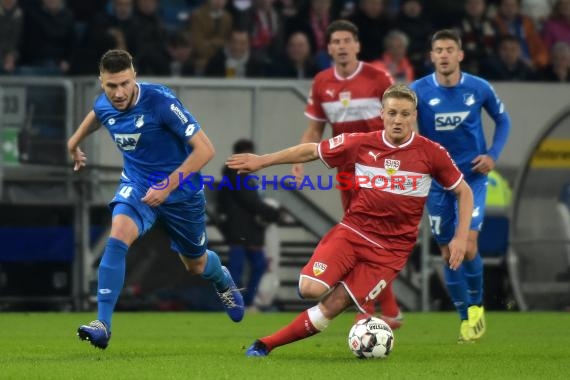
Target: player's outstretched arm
[(247, 163), (87, 126), (458, 245), (314, 134)]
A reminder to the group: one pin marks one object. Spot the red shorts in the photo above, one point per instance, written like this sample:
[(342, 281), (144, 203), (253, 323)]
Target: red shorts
[(345, 257)]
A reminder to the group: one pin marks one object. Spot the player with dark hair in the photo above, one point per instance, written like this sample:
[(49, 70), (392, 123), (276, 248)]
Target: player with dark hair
[(449, 112), (360, 256), (348, 97), (164, 148)]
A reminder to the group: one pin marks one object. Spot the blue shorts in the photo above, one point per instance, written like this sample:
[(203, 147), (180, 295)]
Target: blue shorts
[(184, 221), (442, 208)]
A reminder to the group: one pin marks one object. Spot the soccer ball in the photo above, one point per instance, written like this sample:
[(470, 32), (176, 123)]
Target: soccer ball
[(371, 338)]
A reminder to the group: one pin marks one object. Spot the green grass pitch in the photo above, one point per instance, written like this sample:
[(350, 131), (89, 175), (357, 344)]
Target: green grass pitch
[(210, 346)]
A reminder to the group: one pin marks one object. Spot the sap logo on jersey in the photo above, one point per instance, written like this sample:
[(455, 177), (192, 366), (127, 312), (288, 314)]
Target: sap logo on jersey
[(449, 121), (127, 141), (179, 113)]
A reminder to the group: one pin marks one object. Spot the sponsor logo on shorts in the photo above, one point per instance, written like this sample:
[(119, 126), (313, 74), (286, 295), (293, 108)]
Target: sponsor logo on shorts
[(319, 268)]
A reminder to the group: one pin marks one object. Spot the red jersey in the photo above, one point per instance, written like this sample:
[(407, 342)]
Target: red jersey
[(394, 181), (350, 104)]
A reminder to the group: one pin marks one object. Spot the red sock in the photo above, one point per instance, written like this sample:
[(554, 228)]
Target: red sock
[(388, 305), (300, 328)]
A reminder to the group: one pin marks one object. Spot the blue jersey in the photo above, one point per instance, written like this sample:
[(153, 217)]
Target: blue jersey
[(152, 136), (451, 116)]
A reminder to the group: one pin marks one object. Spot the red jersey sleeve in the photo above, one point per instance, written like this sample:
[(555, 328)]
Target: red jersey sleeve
[(444, 169), (339, 150), (314, 109)]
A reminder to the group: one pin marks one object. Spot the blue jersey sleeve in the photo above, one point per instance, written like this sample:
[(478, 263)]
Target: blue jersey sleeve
[(178, 119), (496, 110)]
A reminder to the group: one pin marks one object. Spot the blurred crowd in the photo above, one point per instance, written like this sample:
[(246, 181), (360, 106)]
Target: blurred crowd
[(504, 40)]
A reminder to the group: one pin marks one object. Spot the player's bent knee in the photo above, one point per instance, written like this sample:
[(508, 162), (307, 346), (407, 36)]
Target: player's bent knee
[(335, 302), (309, 289)]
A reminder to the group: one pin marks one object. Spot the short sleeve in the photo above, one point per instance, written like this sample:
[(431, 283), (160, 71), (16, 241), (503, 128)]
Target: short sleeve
[(178, 119), (314, 109), (339, 150), (444, 169)]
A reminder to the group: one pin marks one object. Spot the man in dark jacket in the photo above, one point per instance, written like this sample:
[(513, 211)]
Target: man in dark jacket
[(235, 60), (245, 217)]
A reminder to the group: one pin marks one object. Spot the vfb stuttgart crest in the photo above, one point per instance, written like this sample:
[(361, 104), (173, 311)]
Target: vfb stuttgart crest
[(391, 166), (319, 268), (344, 98)]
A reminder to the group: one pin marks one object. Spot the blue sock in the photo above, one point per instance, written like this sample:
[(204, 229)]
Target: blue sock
[(213, 272), (473, 272), (111, 278), (257, 266), (457, 289), (237, 260)]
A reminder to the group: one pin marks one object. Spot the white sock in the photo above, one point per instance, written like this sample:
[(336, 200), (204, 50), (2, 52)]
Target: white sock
[(317, 318)]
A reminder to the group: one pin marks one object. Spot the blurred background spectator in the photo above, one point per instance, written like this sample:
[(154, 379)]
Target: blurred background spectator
[(86, 58), (235, 60), (48, 40), (413, 21), (177, 62), (11, 22), (394, 60), (538, 10), (559, 68), (117, 15), (511, 21), (152, 34), (297, 62), (46, 37), (509, 64), (266, 29), (443, 13), (478, 35), (373, 24), (209, 28), (313, 22), (557, 26)]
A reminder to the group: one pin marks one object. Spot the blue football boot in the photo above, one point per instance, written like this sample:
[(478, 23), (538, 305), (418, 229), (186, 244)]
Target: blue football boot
[(232, 299), (258, 348), (96, 333)]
